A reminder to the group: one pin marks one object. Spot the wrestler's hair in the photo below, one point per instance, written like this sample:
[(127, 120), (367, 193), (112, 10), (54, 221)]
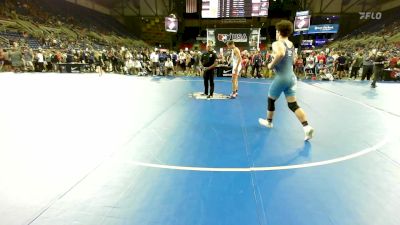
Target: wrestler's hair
[(285, 28)]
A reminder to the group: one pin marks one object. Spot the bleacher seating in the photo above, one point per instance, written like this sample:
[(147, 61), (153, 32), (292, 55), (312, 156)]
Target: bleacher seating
[(84, 17), (381, 34), (388, 19), (73, 26)]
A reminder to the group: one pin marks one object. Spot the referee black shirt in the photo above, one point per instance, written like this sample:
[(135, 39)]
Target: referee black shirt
[(208, 58)]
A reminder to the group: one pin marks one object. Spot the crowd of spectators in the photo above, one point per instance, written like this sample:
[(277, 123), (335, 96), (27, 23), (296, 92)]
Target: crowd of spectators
[(355, 56), (340, 64), (343, 59), (133, 61), (313, 64)]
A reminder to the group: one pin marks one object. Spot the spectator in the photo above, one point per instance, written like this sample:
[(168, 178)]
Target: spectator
[(245, 64), (341, 63), (356, 65), (335, 56), (117, 61), (299, 66), (137, 67), (39, 61), (128, 67), (99, 64), (188, 64), (174, 59), (17, 60), (6, 60), (169, 67), (322, 57), (162, 59), (310, 65), (2, 56), (196, 65), (330, 62), (348, 62), (394, 61), (320, 68), (48, 56), (182, 60), (256, 64), (368, 65), (91, 61), (28, 59), (154, 58)]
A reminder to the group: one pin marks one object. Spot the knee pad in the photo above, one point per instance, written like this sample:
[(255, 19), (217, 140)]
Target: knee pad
[(293, 106), (271, 104)]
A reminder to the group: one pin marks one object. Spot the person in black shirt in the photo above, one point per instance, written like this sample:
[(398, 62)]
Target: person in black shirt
[(378, 68), (162, 58), (209, 62), (341, 61), (256, 64)]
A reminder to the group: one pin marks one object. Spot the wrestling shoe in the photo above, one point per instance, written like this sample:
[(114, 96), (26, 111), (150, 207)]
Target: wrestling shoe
[(265, 123), (308, 132)]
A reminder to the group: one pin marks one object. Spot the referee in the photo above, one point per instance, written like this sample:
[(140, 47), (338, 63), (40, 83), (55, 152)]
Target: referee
[(209, 62)]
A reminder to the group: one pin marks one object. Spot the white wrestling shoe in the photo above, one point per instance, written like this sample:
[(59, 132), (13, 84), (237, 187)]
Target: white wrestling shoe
[(265, 123), (308, 132)]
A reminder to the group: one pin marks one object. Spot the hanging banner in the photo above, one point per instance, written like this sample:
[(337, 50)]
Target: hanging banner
[(241, 37), (171, 24), (321, 29), (307, 42), (301, 23)]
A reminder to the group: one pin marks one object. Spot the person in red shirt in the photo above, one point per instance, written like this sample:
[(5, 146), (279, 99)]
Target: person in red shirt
[(394, 65), (299, 66), (393, 62), (322, 57), (245, 64)]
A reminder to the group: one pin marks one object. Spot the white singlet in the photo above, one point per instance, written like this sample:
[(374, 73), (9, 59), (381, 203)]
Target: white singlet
[(235, 62)]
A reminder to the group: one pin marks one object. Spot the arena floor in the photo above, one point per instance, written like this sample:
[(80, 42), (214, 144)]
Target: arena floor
[(83, 149)]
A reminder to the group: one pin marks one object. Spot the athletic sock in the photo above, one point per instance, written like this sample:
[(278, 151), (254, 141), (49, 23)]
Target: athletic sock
[(269, 120), (305, 123)]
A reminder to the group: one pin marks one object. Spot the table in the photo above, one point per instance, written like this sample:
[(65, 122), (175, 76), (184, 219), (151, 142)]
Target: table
[(70, 67), (224, 71)]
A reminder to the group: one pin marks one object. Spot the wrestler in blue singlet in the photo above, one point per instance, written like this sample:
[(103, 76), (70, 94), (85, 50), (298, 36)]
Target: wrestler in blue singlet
[(285, 80)]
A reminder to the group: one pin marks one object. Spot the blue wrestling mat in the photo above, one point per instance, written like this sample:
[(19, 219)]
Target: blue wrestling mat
[(123, 150)]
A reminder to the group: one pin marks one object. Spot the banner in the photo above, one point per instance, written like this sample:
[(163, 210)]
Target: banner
[(171, 24), (234, 8), (307, 42), (303, 13), (319, 42), (324, 29), (301, 23), (241, 37), (321, 29), (191, 6)]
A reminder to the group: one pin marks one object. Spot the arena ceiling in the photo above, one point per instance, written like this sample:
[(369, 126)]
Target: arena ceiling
[(139, 7), (110, 3), (347, 6), (317, 7)]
